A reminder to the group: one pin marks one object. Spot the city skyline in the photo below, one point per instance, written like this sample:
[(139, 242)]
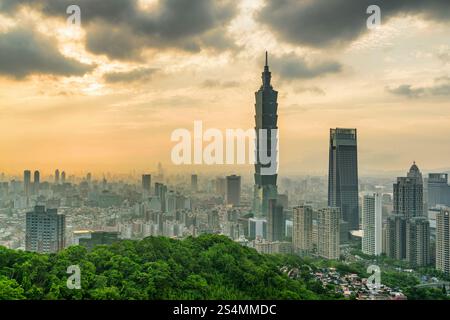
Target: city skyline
[(107, 111), (144, 156)]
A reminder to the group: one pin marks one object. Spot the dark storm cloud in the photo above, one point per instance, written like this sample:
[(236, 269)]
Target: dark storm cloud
[(292, 67), (407, 90), (140, 74), (121, 30), (441, 87), (23, 53), (323, 23)]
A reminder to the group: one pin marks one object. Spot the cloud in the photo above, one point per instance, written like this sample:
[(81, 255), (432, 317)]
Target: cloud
[(213, 83), (121, 29), (406, 90), (324, 23), (444, 54), (23, 53), (139, 74), (441, 87), (312, 90), (291, 67)]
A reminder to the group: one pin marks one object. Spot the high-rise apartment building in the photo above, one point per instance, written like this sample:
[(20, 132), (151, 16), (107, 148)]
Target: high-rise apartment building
[(302, 233), (372, 241), (45, 230), (343, 175), (443, 240), (418, 241), (329, 232), (396, 237)]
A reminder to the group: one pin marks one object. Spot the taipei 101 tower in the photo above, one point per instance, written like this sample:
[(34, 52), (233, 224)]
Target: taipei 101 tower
[(266, 117)]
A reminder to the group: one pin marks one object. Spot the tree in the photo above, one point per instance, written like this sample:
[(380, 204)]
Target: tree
[(10, 290)]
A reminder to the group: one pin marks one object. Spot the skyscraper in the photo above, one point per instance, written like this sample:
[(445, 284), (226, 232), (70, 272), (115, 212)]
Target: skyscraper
[(221, 186), (146, 183), (36, 181), (194, 183), (443, 240), (372, 224), (329, 232), (276, 223), (408, 194), (234, 190), (343, 175), (266, 118), (161, 193), (396, 237), (27, 182), (408, 230), (45, 230), (302, 229), (418, 241), (438, 190), (257, 228), (37, 177), (63, 177), (57, 176)]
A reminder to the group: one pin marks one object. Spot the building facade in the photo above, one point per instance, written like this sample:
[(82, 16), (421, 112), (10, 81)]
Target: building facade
[(146, 183), (45, 230), (443, 240), (329, 233), (233, 190), (343, 175), (418, 242), (396, 237), (408, 194), (372, 224), (266, 118), (408, 229), (194, 183), (302, 233), (438, 190), (276, 222)]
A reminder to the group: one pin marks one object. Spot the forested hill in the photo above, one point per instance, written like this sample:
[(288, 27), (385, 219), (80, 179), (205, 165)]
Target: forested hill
[(207, 267)]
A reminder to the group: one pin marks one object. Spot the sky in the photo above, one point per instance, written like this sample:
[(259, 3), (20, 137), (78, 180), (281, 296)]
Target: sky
[(106, 96)]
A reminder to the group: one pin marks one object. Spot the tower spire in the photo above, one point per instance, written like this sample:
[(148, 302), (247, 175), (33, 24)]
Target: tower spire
[(266, 74)]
